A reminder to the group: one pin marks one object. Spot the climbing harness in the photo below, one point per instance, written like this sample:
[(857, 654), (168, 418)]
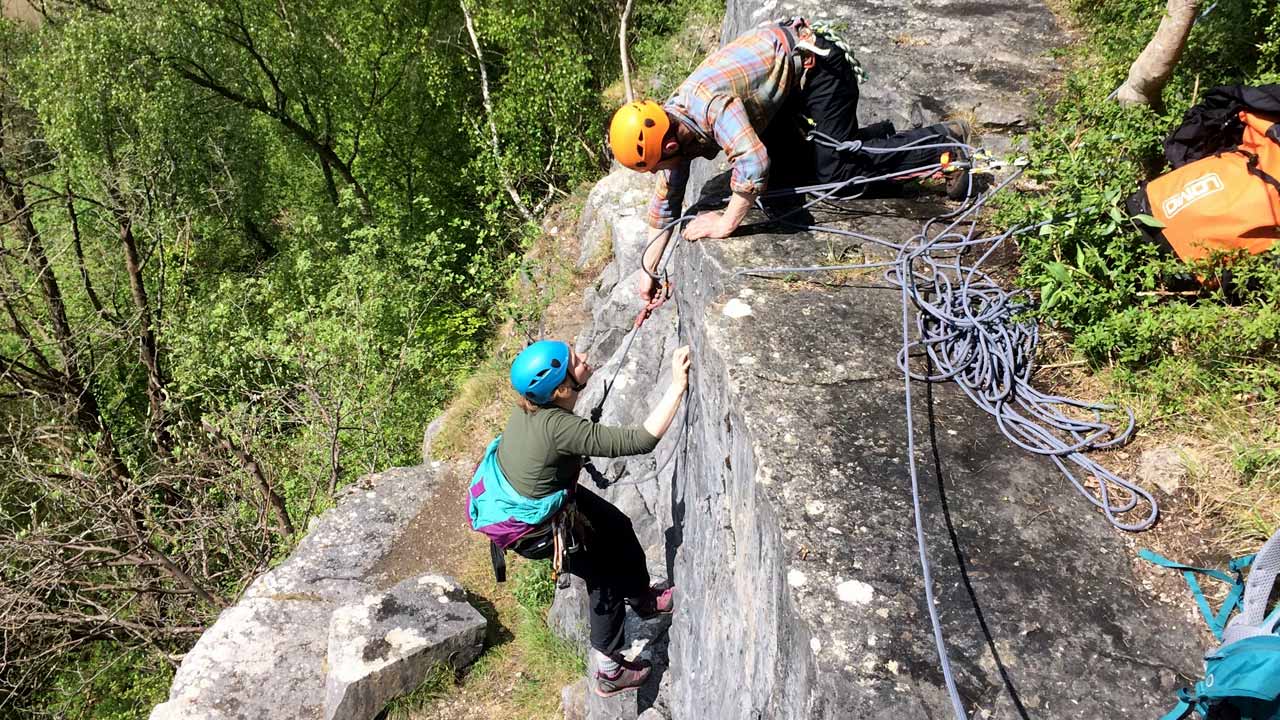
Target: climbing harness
[(1242, 675), (566, 542)]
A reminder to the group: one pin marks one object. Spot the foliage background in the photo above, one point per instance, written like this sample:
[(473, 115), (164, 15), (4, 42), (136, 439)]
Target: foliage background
[(324, 242), (1096, 278), (267, 240)]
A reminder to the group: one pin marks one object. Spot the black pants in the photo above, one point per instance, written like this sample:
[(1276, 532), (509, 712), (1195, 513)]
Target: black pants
[(830, 100), (612, 565)]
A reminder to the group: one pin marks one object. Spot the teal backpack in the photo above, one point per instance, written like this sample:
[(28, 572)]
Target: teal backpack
[(1242, 676)]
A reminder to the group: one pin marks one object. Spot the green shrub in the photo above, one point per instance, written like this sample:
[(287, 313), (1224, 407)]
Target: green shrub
[(533, 586), (1096, 277)]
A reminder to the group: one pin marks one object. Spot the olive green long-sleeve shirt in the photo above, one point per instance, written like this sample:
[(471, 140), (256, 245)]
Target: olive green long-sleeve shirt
[(541, 452)]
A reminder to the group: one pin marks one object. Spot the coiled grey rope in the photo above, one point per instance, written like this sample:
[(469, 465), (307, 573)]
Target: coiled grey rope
[(980, 336), (984, 338)]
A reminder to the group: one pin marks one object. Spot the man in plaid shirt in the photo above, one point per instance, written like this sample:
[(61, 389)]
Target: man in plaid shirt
[(747, 99)]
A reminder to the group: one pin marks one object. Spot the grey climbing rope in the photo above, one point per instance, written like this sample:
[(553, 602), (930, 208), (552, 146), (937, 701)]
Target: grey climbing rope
[(985, 338)]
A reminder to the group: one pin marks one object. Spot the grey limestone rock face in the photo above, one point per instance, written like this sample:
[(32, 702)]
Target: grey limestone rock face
[(780, 502), (614, 212), (946, 56), (268, 655), (383, 646)]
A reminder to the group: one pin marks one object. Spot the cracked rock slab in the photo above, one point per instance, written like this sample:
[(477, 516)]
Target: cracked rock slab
[(382, 646), (266, 656)]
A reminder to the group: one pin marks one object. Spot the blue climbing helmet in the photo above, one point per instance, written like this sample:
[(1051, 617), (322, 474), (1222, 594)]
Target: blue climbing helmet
[(539, 369)]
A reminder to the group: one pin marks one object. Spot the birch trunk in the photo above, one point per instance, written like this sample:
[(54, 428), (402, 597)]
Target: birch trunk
[(1151, 71)]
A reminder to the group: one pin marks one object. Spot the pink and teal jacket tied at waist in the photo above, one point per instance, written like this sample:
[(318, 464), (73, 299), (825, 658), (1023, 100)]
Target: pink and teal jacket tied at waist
[(499, 510)]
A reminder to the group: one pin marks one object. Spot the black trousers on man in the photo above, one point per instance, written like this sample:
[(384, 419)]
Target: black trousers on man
[(612, 564), (829, 99)]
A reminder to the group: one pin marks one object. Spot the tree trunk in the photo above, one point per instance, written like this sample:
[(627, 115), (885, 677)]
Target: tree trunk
[(622, 51), (250, 465), (149, 351), (488, 113), (1154, 66)]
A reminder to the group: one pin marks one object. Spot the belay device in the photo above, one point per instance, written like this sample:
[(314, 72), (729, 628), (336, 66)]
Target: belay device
[(1223, 194)]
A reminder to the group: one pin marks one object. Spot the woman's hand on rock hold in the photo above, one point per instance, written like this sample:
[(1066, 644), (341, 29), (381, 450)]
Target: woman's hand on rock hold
[(680, 363)]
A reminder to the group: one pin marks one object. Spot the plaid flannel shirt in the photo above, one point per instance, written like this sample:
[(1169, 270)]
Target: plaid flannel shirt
[(736, 90)]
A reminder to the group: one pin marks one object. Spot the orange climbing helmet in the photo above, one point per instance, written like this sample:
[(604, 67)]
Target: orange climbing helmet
[(636, 134)]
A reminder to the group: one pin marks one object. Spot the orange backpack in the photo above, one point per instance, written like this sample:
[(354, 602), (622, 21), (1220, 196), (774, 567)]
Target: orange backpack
[(1223, 202)]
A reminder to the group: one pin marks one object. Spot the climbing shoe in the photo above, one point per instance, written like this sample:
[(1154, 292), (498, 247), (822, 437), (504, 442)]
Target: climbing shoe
[(959, 129), (960, 178), (659, 601), (631, 674)]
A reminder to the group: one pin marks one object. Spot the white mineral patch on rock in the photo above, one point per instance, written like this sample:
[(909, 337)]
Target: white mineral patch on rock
[(405, 638), (735, 309), (855, 592), (814, 508), (815, 645), (795, 578)]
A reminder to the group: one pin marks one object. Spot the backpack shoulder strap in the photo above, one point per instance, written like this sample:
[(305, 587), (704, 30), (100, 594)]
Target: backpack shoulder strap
[(1216, 621), (1187, 703), (1253, 619), (498, 557)]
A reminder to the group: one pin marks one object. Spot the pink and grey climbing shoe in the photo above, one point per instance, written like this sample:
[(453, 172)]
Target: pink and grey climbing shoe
[(631, 674), (659, 601)]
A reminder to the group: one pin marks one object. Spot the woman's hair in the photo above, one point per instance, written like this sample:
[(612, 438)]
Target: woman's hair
[(530, 407)]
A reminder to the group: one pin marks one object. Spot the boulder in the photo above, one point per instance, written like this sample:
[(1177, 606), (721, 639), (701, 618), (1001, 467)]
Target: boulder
[(383, 646), (268, 655)]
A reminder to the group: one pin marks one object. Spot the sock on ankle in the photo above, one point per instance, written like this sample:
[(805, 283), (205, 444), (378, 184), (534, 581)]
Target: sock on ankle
[(606, 664)]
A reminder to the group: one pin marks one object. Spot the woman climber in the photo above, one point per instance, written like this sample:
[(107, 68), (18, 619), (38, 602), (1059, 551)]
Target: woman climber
[(525, 496)]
